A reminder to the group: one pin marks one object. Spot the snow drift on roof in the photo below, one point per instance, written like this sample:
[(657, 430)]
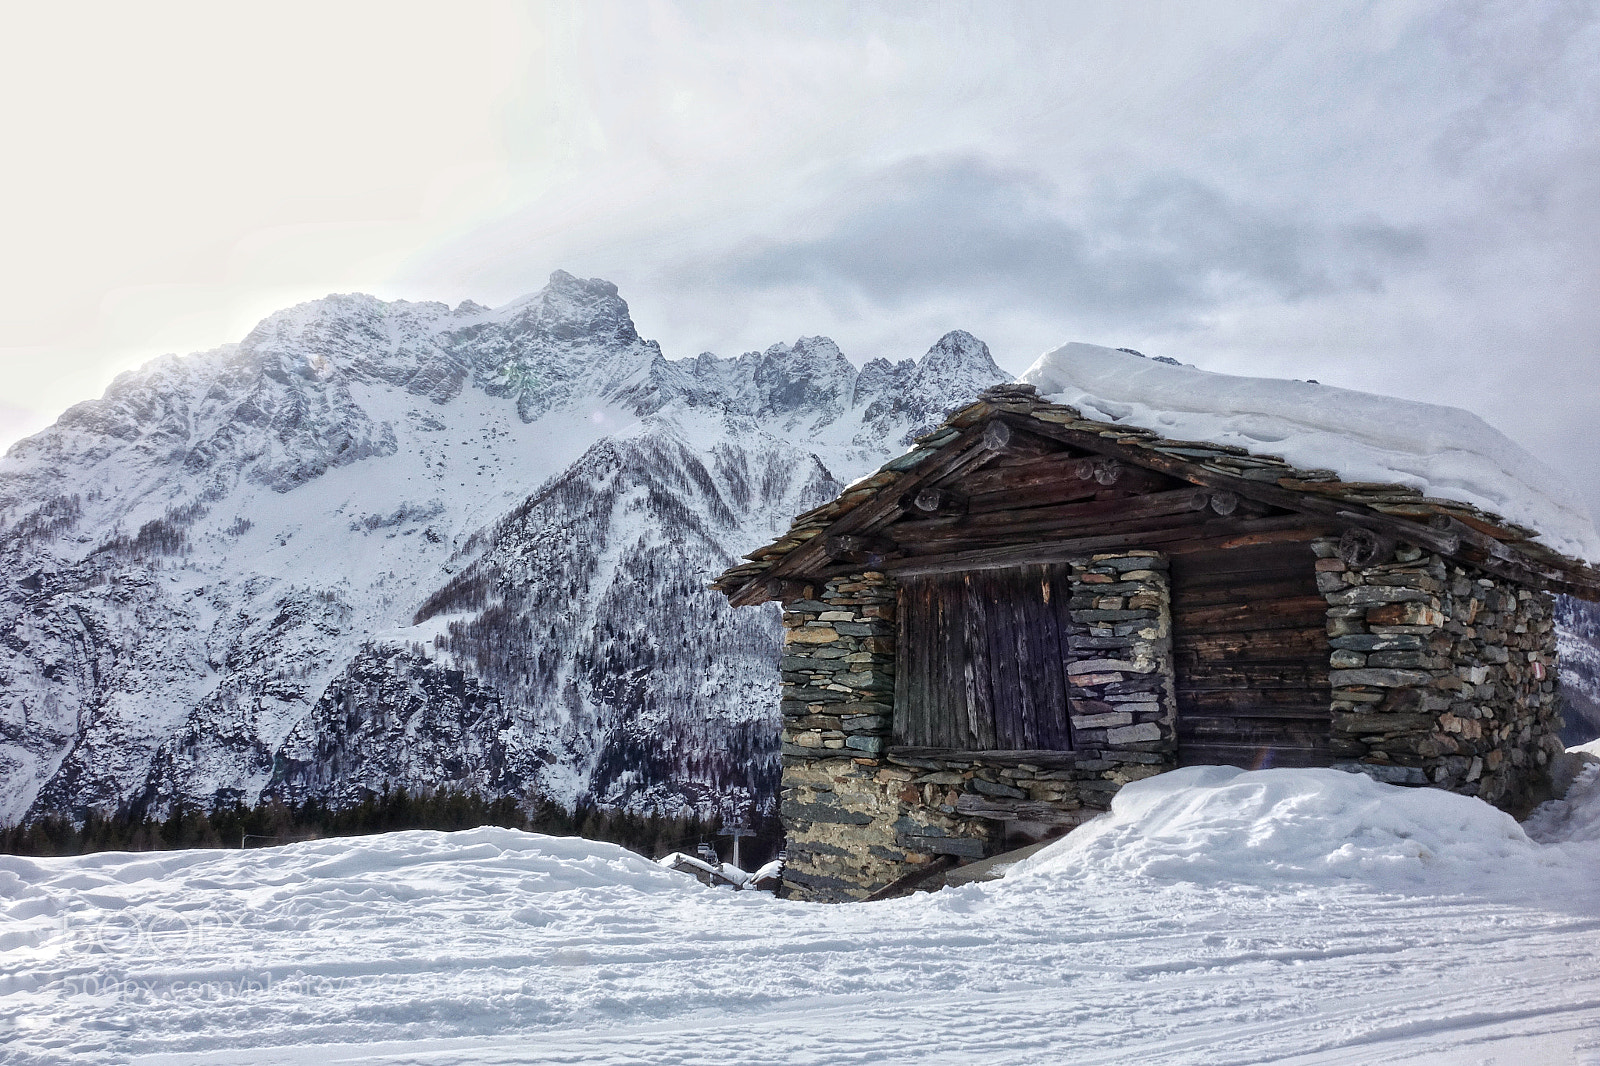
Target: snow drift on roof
[(1442, 451)]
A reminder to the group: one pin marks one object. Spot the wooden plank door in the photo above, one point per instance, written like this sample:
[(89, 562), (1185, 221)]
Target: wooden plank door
[(981, 660), (1250, 651)]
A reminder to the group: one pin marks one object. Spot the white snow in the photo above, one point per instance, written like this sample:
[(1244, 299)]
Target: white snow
[(1216, 916), (1220, 823), (1576, 815), (1442, 451)]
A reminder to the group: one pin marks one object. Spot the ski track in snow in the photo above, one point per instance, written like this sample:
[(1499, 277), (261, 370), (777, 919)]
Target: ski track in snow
[(494, 946)]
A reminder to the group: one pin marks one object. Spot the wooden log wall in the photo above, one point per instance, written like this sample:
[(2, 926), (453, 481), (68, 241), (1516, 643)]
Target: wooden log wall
[(1250, 646), (1248, 622)]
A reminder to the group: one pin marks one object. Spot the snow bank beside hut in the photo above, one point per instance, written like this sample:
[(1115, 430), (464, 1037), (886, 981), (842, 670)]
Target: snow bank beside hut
[(1220, 824), (1441, 451)]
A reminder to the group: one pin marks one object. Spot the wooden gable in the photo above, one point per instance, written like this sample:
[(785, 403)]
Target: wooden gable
[(983, 641), (1022, 497)]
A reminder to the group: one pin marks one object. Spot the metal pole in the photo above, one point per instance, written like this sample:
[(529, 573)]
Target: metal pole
[(736, 832)]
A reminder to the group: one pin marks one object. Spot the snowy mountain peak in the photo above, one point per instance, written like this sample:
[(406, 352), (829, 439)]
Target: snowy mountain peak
[(811, 350), (811, 376), (958, 363), (571, 309), (916, 393), (959, 350), (210, 578)]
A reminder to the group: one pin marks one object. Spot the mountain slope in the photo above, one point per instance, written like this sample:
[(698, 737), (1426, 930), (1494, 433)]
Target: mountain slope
[(1578, 645), (212, 575)]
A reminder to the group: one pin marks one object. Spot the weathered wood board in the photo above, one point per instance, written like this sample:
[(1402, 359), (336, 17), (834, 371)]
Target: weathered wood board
[(982, 660), (1250, 650)]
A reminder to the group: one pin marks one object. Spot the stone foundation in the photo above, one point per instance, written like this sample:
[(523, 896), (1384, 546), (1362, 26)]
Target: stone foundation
[(1441, 676), (861, 813)]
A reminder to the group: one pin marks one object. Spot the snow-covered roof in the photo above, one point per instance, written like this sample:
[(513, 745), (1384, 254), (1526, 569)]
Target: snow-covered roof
[(1442, 452), (1436, 475)]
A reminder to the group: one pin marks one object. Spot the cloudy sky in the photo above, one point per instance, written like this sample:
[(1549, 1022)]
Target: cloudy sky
[(1402, 197)]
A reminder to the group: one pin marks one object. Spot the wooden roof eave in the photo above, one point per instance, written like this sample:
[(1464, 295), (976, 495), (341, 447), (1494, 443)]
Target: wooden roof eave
[(1442, 533), (1441, 529), (959, 455)]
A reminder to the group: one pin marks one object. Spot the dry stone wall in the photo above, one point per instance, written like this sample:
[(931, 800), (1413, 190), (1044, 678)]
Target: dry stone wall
[(1441, 675), (860, 815), (838, 669), (1120, 666)]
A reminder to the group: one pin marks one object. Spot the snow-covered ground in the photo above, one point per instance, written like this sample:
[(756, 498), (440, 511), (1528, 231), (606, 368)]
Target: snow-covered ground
[(1216, 916)]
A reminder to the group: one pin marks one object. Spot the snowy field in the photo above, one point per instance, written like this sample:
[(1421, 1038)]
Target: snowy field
[(1217, 916)]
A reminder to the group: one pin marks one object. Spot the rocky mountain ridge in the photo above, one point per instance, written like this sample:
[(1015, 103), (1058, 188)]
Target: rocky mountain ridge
[(409, 544)]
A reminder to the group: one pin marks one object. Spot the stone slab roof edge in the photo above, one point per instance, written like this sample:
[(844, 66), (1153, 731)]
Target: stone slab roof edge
[(1021, 399)]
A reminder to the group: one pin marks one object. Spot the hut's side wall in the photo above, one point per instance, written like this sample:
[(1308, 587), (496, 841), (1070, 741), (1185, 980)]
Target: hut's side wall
[(1441, 675), (860, 815)]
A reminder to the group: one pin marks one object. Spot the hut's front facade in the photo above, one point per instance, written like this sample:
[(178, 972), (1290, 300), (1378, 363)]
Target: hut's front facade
[(990, 636)]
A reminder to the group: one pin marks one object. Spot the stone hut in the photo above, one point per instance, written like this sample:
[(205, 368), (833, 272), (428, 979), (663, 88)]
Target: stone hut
[(991, 635)]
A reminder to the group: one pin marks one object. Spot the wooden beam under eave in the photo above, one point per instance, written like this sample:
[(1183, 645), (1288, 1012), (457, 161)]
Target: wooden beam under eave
[(1457, 541), (1216, 534), (964, 453), (1129, 528)]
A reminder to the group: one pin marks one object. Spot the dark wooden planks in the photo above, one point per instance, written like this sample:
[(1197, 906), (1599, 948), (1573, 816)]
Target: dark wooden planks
[(1044, 483), (1267, 646), (1064, 517), (1056, 592), (980, 616), (1030, 689), (1005, 642), (1254, 615), (1197, 533), (947, 689), (1253, 702), (1264, 586), (1194, 752), (1251, 657), (1214, 566), (982, 661), (914, 708)]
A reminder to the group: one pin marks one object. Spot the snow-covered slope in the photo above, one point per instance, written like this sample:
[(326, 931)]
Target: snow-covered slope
[(1302, 916), (1578, 648), (1441, 451), (210, 578)]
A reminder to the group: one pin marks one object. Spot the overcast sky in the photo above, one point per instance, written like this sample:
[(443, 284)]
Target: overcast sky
[(1400, 197)]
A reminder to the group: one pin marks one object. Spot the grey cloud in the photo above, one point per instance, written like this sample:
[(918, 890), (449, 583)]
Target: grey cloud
[(1164, 246), (1527, 86)]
